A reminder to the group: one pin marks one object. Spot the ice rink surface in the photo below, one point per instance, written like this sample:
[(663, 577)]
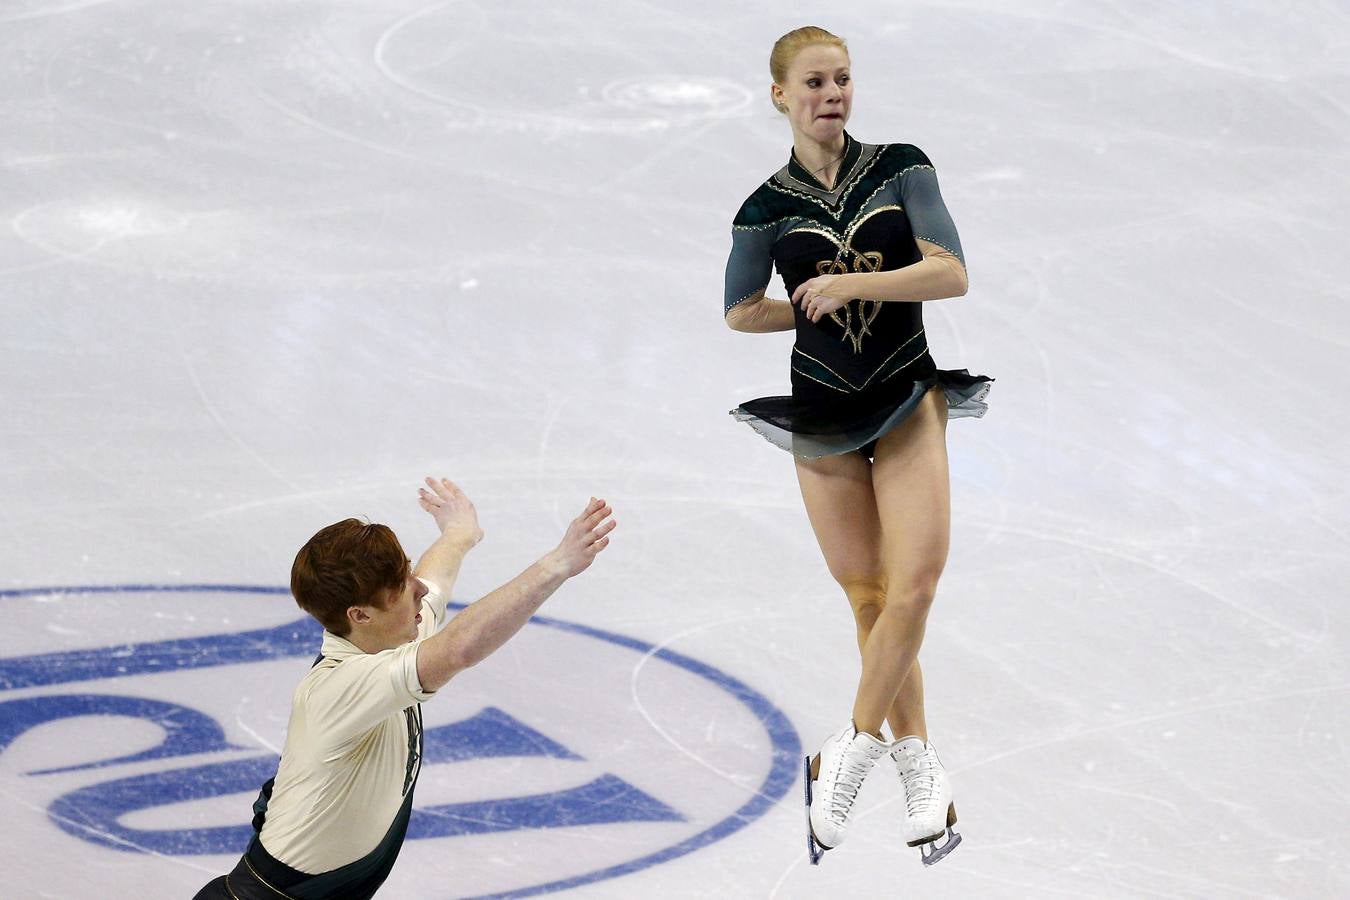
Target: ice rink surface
[(263, 266)]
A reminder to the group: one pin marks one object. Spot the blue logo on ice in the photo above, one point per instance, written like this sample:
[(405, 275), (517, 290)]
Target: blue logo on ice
[(95, 812)]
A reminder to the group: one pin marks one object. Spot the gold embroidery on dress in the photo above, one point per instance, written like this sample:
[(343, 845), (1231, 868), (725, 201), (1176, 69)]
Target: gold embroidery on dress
[(859, 222), (900, 369), (893, 180), (859, 387), (833, 387), (856, 316)]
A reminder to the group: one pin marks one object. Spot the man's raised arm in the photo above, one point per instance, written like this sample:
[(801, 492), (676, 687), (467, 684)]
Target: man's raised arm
[(458, 521), (482, 627)]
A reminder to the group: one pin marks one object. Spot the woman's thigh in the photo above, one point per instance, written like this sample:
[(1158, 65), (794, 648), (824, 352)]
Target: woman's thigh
[(912, 490), (837, 491)]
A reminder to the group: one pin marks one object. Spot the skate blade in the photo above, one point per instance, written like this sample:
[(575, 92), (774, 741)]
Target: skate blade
[(933, 854), (814, 849), (951, 820)]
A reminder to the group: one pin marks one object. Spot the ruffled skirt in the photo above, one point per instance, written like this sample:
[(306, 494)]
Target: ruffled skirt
[(813, 430)]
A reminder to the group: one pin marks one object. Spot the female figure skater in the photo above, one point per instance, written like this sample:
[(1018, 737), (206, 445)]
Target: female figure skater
[(860, 236)]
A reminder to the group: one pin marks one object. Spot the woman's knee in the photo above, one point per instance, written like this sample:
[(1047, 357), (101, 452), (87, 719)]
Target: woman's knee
[(914, 595), (867, 598)]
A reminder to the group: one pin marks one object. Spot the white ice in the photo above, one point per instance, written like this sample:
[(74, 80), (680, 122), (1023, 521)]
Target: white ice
[(264, 266)]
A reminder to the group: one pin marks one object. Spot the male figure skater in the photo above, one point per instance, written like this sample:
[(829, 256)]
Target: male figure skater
[(331, 823)]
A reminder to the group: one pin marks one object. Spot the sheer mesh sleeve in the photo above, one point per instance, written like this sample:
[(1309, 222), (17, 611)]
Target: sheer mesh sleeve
[(927, 213), (749, 267)]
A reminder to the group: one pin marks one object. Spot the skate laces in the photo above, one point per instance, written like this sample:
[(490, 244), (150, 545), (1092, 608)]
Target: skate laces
[(850, 768), (920, 773)]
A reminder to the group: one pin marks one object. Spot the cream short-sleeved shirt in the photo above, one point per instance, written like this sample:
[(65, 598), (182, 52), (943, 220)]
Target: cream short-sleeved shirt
[(349, 758)]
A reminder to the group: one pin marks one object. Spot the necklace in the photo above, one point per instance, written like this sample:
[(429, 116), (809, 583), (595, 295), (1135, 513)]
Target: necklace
[(815, 172), (827, 165)]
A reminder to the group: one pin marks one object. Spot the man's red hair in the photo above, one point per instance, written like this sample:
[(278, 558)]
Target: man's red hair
[(349, 563)]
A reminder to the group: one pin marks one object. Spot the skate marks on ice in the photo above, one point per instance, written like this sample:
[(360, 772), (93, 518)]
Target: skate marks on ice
[(28, 10), (232, 171), (1139, 394), (431, 51), (570, 803)]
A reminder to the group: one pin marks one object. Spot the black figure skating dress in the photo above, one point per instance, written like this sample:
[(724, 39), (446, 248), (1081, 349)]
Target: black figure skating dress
[(863, 369)]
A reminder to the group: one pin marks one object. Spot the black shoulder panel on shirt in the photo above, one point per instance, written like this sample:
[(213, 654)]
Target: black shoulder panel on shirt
[(777, 199), (896, 158), (764, 207)]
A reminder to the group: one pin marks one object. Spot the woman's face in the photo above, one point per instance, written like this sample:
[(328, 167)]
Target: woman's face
[(817, 93)]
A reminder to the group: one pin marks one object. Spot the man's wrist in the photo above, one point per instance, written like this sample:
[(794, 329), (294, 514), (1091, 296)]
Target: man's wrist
[(554, 567), (460, 537)]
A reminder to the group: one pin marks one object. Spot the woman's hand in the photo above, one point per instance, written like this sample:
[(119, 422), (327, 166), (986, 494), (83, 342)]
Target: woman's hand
[(822, 295)]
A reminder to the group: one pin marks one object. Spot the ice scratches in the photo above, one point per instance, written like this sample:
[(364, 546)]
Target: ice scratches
[(310, 122), (1171, 876), (96, 812), (75, 825), (1004, 883), (660, 102), (1240, 702), (711, 97), (34, 266), (665, 735), (19, 224), (604, 801), (249, 730), (490, 733), (343, 491), (211, 410), (1180, 578), (42, 11), (380, 54), (431, 161), (1133, 37), (184, 730), (70, 232), (1129, 795), (1282, 319)]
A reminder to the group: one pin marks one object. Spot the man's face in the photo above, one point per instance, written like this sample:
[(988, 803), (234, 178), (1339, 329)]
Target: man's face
[(396, 622)]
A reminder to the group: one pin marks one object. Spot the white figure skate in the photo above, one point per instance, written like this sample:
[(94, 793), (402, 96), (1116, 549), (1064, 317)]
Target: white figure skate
[(929, 810), (845, 760)]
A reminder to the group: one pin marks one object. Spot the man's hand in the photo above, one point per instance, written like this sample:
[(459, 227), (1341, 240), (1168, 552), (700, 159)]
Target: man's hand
[(586, 536), (474, 634), (453, 511)]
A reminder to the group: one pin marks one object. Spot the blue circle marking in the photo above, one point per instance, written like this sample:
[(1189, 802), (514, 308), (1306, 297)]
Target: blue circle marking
[(297, 638)]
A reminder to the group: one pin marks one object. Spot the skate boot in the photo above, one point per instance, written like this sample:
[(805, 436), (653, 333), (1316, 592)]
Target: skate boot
[(844, 762), (929, 810)]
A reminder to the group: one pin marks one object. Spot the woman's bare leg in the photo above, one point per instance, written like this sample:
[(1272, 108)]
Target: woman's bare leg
[(910, 482), (842, 508)]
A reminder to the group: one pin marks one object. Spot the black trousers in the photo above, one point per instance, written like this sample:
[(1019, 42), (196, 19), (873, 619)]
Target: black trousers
[(241, 884), (216, 890)]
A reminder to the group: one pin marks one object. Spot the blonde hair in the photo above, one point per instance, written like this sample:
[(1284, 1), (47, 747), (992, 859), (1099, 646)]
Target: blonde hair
[(786, 48)]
